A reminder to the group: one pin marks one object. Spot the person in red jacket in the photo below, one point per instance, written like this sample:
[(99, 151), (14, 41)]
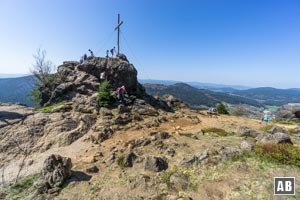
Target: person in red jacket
[(121, 91)]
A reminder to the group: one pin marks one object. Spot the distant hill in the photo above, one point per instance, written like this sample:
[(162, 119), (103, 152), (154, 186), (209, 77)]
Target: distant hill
[(271, 96), (295, 89), (12, 75), (196, 97), (199, 85), (16, 90)]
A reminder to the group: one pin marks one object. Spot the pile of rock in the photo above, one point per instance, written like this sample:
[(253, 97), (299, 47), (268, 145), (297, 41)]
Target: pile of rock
[(56, 170)]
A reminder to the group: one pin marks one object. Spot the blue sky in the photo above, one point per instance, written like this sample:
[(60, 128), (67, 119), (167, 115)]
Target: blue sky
[(244, 42)]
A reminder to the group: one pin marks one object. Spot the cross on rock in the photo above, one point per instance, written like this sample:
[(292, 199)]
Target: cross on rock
[(118, 29)]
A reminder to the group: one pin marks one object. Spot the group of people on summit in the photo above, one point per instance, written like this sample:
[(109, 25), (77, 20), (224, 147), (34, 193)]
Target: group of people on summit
[(112, 51)]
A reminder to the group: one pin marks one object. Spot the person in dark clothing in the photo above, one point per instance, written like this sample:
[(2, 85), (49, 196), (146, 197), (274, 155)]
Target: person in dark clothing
[(84, 57), (91, 52), (107, 53), (121, 91), (112, 51)]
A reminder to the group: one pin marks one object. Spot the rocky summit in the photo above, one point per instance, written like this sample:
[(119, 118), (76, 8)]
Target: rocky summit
[(150, 148), (80, 82)]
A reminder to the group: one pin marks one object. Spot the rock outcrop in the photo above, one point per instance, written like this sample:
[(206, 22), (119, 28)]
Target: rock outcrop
[(276, 138), (244, 131), (289, 112), (80, 81), (56, 170), (11, 114), (155, 164)]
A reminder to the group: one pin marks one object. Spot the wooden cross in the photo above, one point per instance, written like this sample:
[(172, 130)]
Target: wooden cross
[(118, 28)]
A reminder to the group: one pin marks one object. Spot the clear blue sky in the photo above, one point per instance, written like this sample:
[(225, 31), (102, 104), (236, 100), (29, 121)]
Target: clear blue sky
[(244, 42)]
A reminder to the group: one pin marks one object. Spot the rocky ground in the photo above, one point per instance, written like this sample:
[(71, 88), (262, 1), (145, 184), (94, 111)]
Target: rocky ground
[(130, 153)]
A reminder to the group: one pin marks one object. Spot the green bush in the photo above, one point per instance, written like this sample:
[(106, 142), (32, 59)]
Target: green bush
[(279, 153), (104, 94), (222, 109)]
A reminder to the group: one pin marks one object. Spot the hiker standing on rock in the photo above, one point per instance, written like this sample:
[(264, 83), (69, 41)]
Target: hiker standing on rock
[(107, 53), (84, 57), (91, 52), (112, 51), (120, 92)]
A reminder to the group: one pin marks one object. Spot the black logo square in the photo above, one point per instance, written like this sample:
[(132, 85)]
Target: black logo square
[(284, 185)]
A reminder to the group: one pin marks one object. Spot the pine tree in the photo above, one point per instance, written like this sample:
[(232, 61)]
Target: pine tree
[(104, 94), (222, 109)]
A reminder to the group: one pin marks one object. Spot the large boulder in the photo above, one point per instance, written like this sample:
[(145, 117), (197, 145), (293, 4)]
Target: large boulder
[(128, 159), (276, 129), (276, 138), (244, 131), (56, 170), (179, 180), (155, 164), (289, 112), (194, 160)]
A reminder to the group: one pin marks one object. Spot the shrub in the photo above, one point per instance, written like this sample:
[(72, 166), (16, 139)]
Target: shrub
[(43, 77), (120, 161), (222, 109), (104, 94), (279, 153), (218, 131)]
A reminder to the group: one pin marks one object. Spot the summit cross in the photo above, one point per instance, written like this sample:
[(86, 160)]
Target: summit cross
[(118, 29)]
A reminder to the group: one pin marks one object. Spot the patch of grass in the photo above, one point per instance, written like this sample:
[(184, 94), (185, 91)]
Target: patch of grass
[(48, 109), (242, 157), (190, 135), (23, 188), (120, 161), (266, 128), (189, 174), (294, 131), (279, 153), (165, 178), (286, 122), (218, 131)]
